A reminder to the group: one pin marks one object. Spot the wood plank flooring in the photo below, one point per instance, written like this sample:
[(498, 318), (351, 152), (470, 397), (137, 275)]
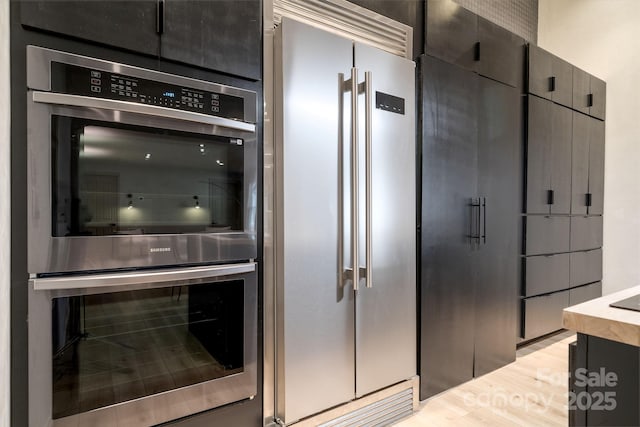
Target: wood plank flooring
[(532, 391)]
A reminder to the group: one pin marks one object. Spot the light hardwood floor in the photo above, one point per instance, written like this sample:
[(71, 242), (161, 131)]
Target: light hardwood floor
[(532, 391)]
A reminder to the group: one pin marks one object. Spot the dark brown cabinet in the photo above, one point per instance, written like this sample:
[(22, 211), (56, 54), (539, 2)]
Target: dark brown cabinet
[(221, 35), (586, 267), (550, 77), (546, 273), (470, 202), (586, 232), (546, 234), (549, 133), (130, 25), (460, 37), (587, 165), (451, 33), (543, 314), (589, 94), (585, 293)]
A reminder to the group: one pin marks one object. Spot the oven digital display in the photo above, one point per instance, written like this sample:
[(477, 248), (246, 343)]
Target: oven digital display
[(76, 80)]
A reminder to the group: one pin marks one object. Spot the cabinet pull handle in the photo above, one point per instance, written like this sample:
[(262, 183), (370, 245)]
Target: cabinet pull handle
[(474, 222), (552, 84), (550, 197), (484, 220), (588, 199), (476, 52), (160, 16), (590, 100)]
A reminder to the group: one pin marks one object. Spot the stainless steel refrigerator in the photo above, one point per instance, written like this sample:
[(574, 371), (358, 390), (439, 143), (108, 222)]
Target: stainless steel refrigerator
[(345, 185)]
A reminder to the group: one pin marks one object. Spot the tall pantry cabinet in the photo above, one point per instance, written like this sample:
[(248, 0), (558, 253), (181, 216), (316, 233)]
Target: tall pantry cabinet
[(564, 191), (471, 192)]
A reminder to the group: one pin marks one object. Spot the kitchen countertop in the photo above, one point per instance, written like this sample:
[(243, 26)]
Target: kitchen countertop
[(596, 318)]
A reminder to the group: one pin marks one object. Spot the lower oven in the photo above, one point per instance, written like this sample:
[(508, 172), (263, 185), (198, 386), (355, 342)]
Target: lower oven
[(141, 348)]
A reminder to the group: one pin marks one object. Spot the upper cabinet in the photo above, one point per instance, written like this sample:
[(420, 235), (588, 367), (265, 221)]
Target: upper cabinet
[(451, 33), (460, 37), (550, 77), (557, 80), (221, 35), (589, 96), (500, 53), (131, 25)]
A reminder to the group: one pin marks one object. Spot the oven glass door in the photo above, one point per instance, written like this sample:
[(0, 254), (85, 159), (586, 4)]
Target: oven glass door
[(119, 345), (114, 179), (115, 347)]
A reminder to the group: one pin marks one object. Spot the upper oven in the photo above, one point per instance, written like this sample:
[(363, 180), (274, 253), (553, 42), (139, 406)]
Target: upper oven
[(129, 167)]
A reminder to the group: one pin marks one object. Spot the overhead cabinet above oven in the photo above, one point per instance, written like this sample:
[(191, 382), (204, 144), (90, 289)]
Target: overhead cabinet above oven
[(222, 35)]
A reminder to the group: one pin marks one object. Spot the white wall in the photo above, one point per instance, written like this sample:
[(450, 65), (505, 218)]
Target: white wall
[(4, 215), (603, 38)]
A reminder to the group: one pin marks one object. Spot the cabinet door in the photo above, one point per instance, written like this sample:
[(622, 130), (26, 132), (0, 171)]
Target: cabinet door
[(451, 33), (501, 53), (599, 98), (449, 171), (580, 163), (222, 35), (126, 24), (581, 90), (561, 134), (538, 155), (496, 263), (596, 166), (562, 92), (540, 72)]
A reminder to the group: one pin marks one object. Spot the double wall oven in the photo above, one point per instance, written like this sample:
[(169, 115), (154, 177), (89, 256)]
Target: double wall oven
[(142, 211)]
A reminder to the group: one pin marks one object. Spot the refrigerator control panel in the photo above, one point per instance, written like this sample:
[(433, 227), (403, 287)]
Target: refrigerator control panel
[(387, 102)]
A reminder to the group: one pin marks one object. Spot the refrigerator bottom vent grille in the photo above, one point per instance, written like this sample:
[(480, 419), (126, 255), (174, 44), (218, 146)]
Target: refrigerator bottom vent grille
[(381, 413)]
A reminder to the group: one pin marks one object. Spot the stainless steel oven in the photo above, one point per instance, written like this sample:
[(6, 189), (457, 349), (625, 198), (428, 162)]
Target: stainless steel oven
[(129, 167), (140, 348)]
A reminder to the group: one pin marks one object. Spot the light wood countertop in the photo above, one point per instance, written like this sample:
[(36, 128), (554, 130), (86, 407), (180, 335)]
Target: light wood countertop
[(596, 318)]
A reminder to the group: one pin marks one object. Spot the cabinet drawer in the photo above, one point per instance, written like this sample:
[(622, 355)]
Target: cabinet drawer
[(586, 267), (546, 234), (586, 232), (543, 314), (546, 273), (585, 293)]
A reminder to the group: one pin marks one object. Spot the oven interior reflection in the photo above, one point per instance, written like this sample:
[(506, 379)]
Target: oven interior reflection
[(114, 347)]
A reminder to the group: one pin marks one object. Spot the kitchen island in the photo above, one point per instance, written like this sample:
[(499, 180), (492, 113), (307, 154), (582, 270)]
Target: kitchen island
[(604, 362)]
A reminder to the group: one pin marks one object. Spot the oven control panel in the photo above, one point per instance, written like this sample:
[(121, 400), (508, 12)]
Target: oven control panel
[(76, 80)]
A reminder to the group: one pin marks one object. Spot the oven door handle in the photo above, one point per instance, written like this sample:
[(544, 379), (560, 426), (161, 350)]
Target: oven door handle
[(139, 277), (134, 107)]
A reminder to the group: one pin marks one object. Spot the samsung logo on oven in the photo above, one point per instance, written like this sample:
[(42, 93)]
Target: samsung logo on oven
[(153, 250)]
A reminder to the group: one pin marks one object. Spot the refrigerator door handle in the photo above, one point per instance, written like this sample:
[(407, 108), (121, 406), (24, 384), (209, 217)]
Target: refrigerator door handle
[(368, 147), (355, 256)]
